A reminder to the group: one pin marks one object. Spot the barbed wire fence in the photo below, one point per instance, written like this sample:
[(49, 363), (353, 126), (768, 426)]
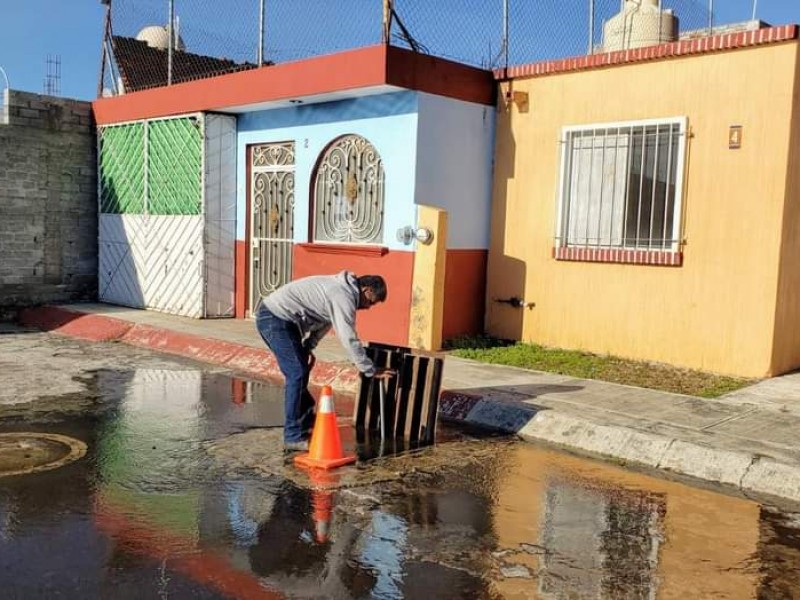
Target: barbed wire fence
[(212, 37)]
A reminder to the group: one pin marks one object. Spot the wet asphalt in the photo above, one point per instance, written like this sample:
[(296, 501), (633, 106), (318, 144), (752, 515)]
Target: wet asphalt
[(151, 511)]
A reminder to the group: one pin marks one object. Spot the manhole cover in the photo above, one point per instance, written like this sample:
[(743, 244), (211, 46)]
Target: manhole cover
[(31, 452)]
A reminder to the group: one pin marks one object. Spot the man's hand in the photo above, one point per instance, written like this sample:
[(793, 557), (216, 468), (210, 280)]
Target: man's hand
[(312, 360), (384, 374)]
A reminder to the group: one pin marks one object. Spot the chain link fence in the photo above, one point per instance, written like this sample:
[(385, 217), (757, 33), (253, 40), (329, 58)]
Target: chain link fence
[(213, 37), (473, 31)]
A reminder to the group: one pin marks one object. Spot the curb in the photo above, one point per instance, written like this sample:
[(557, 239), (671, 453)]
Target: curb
[(744, 471), (251, 361)]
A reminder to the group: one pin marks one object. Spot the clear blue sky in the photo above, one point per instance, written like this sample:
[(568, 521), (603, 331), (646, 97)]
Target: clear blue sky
[(30, 29)]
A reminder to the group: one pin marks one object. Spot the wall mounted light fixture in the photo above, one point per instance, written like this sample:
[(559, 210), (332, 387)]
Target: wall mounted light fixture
[(406, 235)]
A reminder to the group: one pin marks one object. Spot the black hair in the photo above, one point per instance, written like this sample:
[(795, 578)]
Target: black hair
[(376, 284)]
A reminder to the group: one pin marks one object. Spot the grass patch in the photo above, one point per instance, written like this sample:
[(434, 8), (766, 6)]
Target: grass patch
[(475, 342), (594, 366)]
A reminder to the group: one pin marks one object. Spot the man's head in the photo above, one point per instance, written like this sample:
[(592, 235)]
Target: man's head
[(372, 290)]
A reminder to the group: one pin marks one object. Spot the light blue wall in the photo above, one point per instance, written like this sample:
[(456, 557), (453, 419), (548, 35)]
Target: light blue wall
[(388, 121), (454, 166)]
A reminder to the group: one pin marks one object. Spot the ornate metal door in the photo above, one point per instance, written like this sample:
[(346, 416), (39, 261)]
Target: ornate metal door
[(272, 227)]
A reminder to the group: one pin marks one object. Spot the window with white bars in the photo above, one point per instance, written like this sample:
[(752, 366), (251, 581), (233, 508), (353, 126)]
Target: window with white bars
[(621, 185), (349, 193)]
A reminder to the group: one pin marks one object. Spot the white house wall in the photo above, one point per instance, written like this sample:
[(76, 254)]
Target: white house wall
[(454, 166)]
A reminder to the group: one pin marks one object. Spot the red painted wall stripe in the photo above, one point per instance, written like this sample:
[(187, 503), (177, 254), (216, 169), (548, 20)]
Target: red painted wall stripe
[(386, 322), (242, 280), (464, 293), (365, 67), (433, 75), (350, 70)]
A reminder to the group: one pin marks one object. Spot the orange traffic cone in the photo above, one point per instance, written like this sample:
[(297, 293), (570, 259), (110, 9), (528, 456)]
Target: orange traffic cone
[(325, 450)]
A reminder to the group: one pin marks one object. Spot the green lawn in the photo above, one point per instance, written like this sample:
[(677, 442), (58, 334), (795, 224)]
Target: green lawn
[(594, 366)]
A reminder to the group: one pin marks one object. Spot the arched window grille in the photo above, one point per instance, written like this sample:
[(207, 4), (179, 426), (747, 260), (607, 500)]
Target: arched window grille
[(349, 193)]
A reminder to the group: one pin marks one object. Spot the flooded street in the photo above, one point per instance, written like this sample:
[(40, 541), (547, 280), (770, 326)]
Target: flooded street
[(183, 493)]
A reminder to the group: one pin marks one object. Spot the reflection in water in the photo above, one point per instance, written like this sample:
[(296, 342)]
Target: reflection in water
[(778, 555), (147, 514), (605, 544), (382, 553)]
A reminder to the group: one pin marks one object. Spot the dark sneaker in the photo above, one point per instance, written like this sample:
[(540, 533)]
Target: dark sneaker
[(301, 446)]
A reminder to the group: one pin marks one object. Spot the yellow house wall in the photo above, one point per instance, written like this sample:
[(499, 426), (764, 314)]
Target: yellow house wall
[(786, 355), (717, 311)]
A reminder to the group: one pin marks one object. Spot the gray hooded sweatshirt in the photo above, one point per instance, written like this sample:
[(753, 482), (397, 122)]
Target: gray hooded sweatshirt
[(315, 304)]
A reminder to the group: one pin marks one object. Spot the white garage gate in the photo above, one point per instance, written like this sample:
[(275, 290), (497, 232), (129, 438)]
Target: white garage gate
[(167, 204)]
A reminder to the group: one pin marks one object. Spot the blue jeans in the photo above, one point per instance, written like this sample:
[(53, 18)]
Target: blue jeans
[(283, 338)]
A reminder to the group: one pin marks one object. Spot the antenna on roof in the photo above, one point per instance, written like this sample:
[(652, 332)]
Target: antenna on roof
[(52, 81), (171, 47), (106, 55)]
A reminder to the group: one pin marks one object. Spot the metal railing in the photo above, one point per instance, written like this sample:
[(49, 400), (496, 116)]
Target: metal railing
[(207, 37)]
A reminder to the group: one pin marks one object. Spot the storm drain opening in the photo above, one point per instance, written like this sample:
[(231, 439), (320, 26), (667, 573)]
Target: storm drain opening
[(31, 452), (402, 415)]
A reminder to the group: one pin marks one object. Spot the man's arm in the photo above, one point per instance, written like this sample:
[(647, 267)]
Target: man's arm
[(344, 322), (315, 338)]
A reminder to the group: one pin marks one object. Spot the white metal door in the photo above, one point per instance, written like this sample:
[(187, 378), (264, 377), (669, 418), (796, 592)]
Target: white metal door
[(272, 218)]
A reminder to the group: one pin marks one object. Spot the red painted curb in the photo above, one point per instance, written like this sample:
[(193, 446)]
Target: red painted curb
[(255, 361), (83, 326), (183, 344), (252, 361)]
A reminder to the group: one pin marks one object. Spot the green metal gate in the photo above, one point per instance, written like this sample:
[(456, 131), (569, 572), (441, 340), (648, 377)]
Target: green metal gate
[(121, 158), (153, 167)]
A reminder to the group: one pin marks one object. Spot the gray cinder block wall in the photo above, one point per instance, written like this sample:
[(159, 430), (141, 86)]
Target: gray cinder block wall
[(48, 201)]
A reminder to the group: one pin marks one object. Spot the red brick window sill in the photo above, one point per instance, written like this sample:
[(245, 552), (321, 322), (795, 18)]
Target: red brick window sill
[(356, 249), (617, 255)]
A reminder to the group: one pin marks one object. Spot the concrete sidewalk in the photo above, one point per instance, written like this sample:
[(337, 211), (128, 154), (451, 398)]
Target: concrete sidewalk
[(749, 439)]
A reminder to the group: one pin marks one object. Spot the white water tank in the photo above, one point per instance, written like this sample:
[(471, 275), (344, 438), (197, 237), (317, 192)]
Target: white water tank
[(157, 36), (641, 23)]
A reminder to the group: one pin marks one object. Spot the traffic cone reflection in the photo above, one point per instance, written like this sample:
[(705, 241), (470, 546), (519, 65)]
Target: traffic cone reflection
[(325, 450), (322, 503), (323, 484)]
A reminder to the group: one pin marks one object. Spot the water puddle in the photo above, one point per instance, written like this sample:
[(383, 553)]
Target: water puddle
[(183, 493)]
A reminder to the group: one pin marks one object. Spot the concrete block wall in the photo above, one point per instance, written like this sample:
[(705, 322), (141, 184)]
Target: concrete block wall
[(48, 201)]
